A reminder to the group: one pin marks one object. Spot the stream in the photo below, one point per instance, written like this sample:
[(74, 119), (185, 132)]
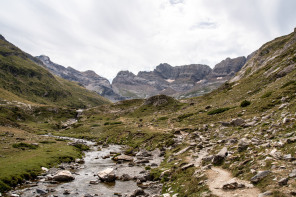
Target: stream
[(86, 183)]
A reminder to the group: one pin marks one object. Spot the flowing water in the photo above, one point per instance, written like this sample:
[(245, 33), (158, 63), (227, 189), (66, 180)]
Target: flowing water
[(95, 161)]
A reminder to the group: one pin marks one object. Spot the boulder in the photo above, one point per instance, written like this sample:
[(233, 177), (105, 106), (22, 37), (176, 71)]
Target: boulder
[(276, 154), (283, 181), (219, 158), (243, 144), (237, 122), (291, 140), (123, 158), (107, 175), (63, 176), (259, 176)]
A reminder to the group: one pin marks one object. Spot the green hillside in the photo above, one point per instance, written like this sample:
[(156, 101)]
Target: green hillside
[(23, 78)]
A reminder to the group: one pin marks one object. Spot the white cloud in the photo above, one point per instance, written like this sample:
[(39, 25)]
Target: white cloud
[(109, 36)]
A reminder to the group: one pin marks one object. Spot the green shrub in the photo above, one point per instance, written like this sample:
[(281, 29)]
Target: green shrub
[(47, 142), (4, 187), (245, 103), (163, 118), (112, 123), (218, 111), (23, 146), (289, 83)]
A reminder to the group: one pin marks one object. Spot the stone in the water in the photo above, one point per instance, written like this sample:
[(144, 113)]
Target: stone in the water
[(66, 192), (107, 175), (138, 192), (41, 191), (125, 177), (123, 158), (63, 176), (44, 169)]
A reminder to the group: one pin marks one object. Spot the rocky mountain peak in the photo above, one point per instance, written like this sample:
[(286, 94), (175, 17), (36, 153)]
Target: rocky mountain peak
[(89, 79), (229, 67)]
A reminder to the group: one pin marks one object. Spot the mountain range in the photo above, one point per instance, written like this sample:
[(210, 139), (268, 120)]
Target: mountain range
[(179, 81)]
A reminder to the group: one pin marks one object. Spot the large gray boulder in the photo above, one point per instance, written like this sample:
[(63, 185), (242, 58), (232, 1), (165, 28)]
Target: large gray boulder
[(107, 175), (63, 176)]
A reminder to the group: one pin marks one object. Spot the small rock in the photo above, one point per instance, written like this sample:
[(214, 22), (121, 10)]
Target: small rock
[(187, 166), (291, 140), (259, 176), (233, 185), (138, 192), (166, 195), (44, 169), (237, 122), (94, 182), (286, 120), (283, 181), (293, 174), (125, 177), (267, 193), (14, 195), (66, 192), (123, 158), (41, 191)]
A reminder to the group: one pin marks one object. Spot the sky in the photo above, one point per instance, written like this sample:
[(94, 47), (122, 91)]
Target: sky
[(108, 36)]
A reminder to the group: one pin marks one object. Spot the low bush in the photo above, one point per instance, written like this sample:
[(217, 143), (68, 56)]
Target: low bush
[(112, 123), (245, 103), (23, 145), (218, 111)]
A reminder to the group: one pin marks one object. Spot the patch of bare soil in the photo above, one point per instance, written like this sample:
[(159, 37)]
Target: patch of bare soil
[(217, 177)]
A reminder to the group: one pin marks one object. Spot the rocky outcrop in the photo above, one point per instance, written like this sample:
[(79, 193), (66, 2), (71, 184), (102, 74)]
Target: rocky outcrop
[(228, 67), (275, 56), (89, 79), (190, 80)]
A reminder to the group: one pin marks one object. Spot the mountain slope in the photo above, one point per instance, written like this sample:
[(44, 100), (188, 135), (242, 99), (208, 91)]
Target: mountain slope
[(89, 79), (22, 77)]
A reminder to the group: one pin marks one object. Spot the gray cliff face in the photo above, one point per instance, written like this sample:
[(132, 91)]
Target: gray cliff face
[(89, 79), (179, 81), (228, 67)]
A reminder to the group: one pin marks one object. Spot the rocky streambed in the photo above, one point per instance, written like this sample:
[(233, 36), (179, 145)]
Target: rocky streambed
[(85, 177)]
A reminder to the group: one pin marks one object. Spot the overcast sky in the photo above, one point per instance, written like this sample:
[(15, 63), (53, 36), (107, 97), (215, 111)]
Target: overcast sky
[(112, 35)]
